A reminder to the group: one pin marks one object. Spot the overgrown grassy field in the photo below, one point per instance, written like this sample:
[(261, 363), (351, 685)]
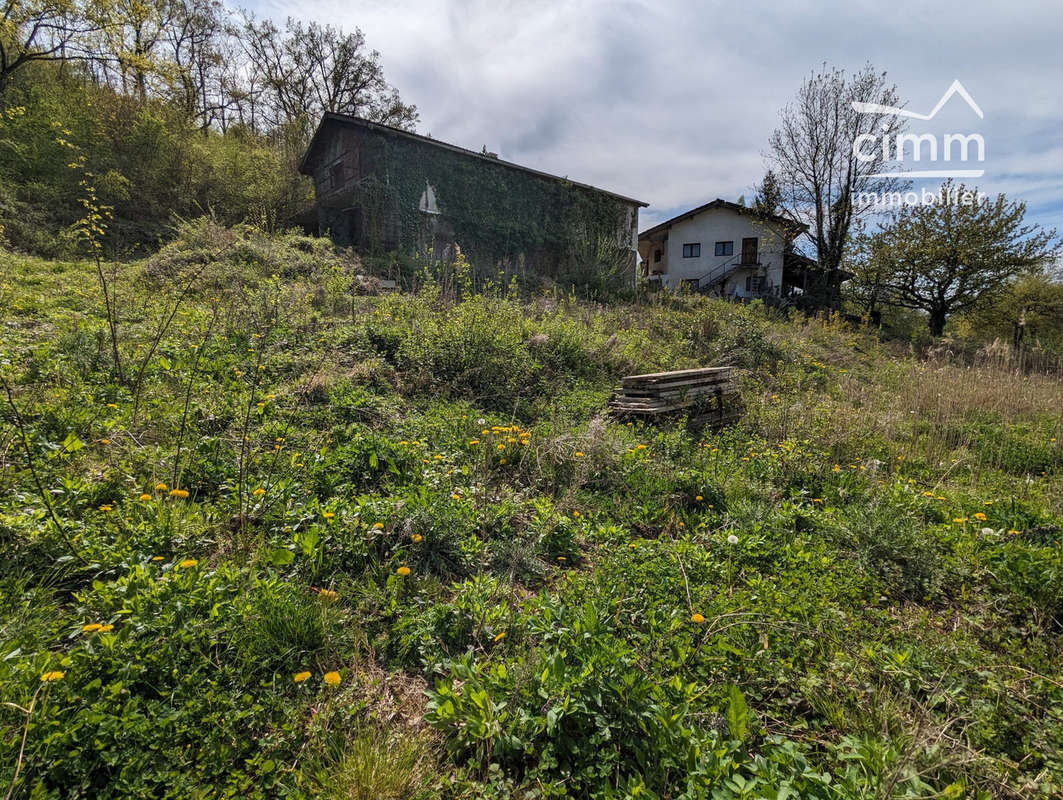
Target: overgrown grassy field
[(312, 542)]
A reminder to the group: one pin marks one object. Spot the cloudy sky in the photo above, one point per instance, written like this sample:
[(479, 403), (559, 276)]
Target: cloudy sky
[(673, 102)]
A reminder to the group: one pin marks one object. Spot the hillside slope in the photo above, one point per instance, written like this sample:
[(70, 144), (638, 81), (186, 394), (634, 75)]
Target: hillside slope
[(315, 542)]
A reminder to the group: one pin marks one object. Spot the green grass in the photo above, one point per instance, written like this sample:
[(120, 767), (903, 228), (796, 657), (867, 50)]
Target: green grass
[(854, 592)]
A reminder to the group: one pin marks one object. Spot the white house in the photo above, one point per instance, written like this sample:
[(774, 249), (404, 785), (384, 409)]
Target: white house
[(724, 249)]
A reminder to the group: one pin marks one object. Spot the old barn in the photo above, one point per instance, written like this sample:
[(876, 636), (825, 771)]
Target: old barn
[(381, 189)]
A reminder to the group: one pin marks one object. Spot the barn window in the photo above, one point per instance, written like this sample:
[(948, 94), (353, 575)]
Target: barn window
[(725, 248), (428, 200), (336, 175), (692, 250)]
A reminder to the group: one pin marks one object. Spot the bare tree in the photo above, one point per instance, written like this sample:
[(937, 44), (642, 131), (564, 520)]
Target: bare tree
[(310, 69), (195, 40), (820, 179)]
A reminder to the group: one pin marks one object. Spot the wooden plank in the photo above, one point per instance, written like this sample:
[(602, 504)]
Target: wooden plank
[(707, 380), (703, 388), (677, 373), (694, 391), (709, 393)]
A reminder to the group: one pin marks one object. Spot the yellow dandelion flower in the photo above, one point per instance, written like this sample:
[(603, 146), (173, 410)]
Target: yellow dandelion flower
[(562, 558), (328, 594), (188, 563), (180, 494), (980, 517), (1013, 532), (817, 499), (145, 496), (112, 405), (960, 520), (91, 627), (157, 558), (455, 496), (378, 526), (500, 636), (105, 441), (161, 487), (54, 675), (640, 447), (698, 498), (473, 442), (633, 545), (106, 628), (697, 618), (105, 508), (403, 571), (501, 461), (328, 514), (332, 678), (299, 677), (576, 514), (578, 454), (416, 538), (259, 492)]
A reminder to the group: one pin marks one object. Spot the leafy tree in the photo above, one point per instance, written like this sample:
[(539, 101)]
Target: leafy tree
[(40, 30), (1028, 311), (868, 288), (947, 257), (820, 180), (768, 198)]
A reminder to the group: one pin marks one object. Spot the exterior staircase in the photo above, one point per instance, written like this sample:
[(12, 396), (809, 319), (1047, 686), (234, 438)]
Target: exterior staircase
[(717, 275)]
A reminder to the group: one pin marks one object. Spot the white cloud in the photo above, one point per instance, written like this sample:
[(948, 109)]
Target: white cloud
[(673, 102)]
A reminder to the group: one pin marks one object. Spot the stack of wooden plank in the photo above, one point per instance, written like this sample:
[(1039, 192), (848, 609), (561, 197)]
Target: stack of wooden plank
[(708, 396)]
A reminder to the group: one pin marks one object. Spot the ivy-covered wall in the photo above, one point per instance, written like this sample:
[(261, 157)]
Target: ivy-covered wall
[(370, 182)]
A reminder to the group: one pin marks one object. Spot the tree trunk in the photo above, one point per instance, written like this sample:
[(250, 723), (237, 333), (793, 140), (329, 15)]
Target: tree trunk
[(937, 322)]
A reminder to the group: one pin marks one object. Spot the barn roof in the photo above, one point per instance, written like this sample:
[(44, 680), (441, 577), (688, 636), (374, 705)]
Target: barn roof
[(330, 119)]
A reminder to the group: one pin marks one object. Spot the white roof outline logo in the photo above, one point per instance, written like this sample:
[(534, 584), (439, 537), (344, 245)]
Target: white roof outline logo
[(955, 88)]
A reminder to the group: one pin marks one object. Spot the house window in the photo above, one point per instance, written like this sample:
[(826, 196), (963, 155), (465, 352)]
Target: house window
[(754, 283), (656, 256), (692, 250), (725, 248)]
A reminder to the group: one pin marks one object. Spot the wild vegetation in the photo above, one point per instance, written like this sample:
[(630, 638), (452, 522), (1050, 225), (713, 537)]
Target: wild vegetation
[(312, 541), (168, 109), (265, 532)]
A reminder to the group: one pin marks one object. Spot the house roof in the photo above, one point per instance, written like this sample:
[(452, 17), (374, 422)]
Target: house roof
[(331, 118), (797, 227)]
